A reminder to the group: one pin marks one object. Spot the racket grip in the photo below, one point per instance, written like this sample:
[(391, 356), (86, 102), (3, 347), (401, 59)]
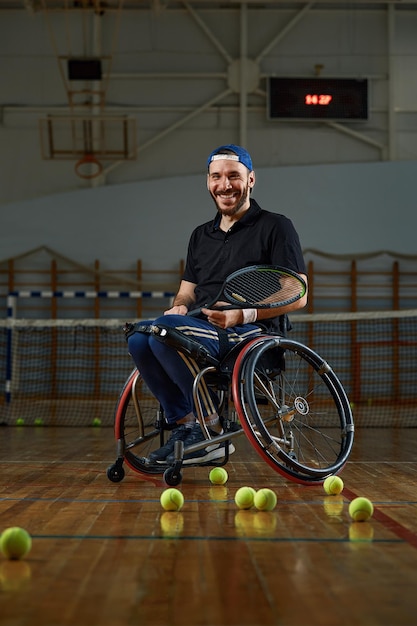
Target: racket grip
[(194, 312)]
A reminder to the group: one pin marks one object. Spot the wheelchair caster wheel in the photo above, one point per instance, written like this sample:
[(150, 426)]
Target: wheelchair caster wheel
[(172, 477), (115, 473)]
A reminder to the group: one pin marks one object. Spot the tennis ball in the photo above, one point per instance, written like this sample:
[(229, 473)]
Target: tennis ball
[(38, 421), (15, 542), (96, 422), (172, 499), (244, 497), (361, 509), (218, 476), (20, 421), (333, 485), (265, 500)]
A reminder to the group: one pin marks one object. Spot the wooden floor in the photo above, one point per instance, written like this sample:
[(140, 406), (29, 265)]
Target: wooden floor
[(106, 554)]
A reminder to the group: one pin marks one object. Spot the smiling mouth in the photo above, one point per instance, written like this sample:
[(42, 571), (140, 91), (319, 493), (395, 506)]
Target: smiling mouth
[(226, 196)]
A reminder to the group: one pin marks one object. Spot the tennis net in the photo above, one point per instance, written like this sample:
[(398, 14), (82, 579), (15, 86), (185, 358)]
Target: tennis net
[(374, 356), (62, 372), (70, 372)]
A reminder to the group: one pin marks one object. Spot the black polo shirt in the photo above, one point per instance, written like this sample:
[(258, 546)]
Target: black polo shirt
[(259, 237)]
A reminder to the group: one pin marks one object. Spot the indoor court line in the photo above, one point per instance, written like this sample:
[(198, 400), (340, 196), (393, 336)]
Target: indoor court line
[(387, 503), (351, 496), (251, 538)]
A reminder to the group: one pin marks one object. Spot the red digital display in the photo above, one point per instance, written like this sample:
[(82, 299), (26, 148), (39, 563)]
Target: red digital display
[(322, 99), (318, 98)]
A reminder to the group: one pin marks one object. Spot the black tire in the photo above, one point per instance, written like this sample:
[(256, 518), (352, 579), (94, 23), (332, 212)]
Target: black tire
[(172, 477), (293, 409), (115, 473)]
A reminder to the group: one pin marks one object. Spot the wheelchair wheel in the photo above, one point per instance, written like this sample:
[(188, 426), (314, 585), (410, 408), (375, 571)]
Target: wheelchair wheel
[(293, 409), (137, 425)]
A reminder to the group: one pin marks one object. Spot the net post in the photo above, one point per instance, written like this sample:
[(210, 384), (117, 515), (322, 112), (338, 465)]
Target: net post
[(139, 278)]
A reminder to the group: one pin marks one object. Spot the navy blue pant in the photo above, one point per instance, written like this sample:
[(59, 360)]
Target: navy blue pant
[(170, 374)]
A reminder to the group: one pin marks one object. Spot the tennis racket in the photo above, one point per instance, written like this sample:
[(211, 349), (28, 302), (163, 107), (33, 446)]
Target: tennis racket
[(257, 287)]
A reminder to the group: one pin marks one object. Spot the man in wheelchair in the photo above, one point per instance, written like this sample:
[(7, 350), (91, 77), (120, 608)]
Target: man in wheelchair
[(240, 235)]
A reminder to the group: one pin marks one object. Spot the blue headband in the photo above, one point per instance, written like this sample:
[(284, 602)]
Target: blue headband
[(240, 154)]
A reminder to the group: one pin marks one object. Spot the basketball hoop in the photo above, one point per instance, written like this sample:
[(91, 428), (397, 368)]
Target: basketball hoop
[(88, 167)]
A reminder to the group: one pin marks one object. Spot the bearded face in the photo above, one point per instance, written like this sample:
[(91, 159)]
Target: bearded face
[(229, 184)]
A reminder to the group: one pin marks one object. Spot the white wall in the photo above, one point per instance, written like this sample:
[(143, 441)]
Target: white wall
[(339, 209), (349, 189), (169, 64)]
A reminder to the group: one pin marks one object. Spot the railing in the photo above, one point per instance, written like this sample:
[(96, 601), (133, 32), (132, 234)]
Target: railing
[(337, 283)]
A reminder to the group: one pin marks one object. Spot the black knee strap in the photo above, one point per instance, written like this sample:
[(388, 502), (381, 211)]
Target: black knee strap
[(224, 345), (129, 329), (173, 338)]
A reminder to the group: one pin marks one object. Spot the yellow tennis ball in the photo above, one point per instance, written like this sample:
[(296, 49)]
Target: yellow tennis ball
[(333, 485), (361, 509), (244, 497), (218, 476), (15, 542), (172, 499), (265, 500)]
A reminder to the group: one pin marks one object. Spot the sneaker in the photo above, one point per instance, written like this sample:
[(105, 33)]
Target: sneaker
[(179, 433), (209, 453)]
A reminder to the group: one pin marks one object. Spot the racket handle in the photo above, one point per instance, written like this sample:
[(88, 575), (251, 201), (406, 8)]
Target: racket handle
[(194, 312)]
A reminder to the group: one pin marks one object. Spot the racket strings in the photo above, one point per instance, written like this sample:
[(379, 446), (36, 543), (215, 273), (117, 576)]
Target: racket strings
[(262, 287)]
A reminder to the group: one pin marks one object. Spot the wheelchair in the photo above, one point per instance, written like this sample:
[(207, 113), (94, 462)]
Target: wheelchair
[(280, 394)]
